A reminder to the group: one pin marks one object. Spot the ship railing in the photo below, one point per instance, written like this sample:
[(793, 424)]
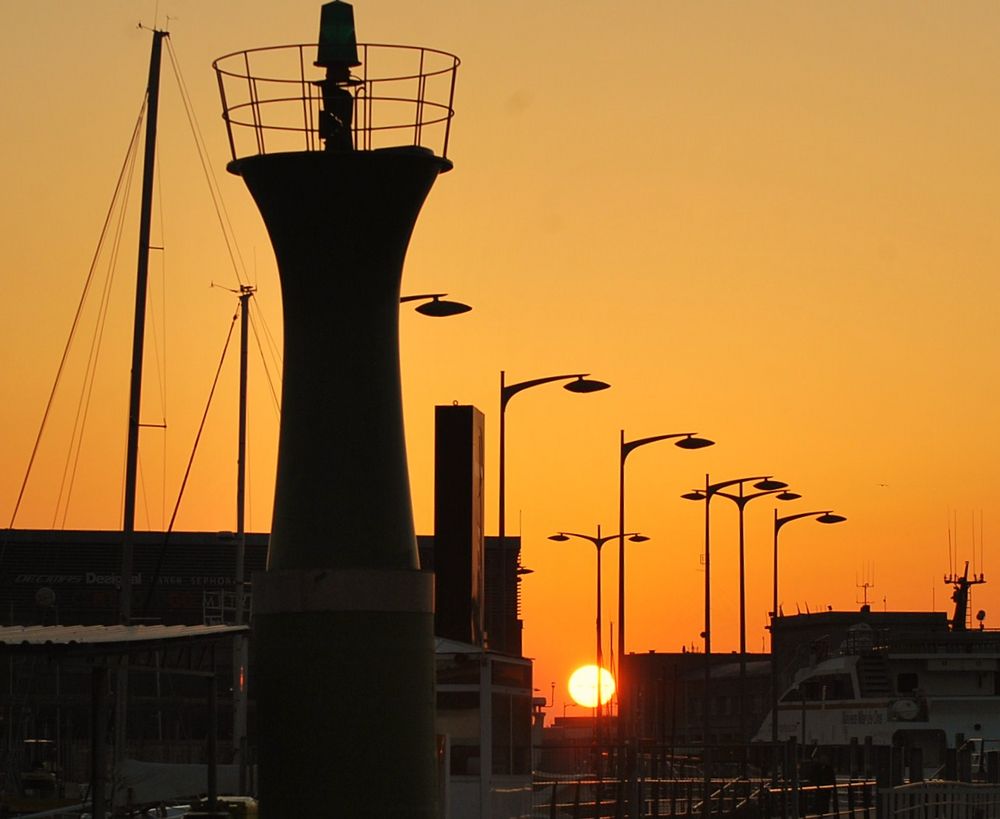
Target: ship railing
[(849, 798), (272, 100), (643, 796), (986, 641), (923, 800)]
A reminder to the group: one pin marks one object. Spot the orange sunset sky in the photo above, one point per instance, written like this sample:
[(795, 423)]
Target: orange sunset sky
[(773, 223)]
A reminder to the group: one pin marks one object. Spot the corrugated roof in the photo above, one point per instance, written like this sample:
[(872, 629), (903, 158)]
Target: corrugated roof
[(110, 638)]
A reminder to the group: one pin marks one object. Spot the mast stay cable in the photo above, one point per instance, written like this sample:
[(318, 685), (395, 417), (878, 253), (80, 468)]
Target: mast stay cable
[(221, 212), (90, 372), (187, 470), (122, 180)]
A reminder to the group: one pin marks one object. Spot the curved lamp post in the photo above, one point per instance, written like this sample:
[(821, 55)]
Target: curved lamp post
[(827, 516), (764, 483), (578, 382), (741, 500), (682, 440), (433, 304), (598, 542)]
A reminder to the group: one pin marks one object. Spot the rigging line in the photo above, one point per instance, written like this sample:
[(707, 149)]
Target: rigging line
[(272, 344), (76, 319), (142, 486), (162, 367), (163, 478), (248, 489), (272, 347), (90, 373), (187, 470), (267, 372), (157, 341), (982, 544), (228, 234), (973, 543)]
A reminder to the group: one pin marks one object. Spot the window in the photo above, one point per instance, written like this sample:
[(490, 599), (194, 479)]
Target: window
[(511, 675), (457, 670), (822, 688), (511, 734)]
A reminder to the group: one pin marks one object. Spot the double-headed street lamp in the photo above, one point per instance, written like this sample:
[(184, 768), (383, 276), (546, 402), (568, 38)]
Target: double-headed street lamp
[(826, 516), (764, 483), (683, 440), (599, 541), (741, 500), (578, 382)]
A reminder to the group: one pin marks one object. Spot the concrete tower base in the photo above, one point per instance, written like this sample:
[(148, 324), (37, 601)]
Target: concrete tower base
[(343, 617)]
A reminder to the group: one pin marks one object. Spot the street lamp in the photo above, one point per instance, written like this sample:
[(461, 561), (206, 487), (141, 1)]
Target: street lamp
[(683, 440), (434, 305), (741, 500), (826, 516), (578, 382), (764, 483), (598, 542)]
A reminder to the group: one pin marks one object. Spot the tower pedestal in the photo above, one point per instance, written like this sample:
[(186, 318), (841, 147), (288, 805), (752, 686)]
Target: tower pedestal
[(346, 693)]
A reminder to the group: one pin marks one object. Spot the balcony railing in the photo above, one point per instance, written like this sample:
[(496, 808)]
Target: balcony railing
[(272, 100)]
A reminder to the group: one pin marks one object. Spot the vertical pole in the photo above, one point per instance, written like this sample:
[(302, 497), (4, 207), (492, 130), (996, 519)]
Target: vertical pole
[(98, 740), (621, 592), (485, 736), (502, 524), (213, 786), (600, 653), (139, 327), (240, 641), (706, 694), (774, 657), (135, 387), (743, 644)]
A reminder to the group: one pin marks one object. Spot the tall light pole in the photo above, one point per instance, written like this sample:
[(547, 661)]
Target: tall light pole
[(598, 542), (683, 440), (578, 382), (826, 516), (763, 482), (741, 500)]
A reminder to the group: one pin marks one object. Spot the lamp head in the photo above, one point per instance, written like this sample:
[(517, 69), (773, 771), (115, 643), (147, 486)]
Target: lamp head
[(787, 496), (440, 308), (693, 442), (770, 483), (559, 537), (697, 495), (638, 538), (830, 517), (583, 384)]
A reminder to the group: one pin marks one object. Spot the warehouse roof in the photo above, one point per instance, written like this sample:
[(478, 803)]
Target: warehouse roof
[(106, 639)]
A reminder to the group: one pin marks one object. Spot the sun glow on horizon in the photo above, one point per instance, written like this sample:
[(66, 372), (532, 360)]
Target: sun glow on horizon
[(583, 686)]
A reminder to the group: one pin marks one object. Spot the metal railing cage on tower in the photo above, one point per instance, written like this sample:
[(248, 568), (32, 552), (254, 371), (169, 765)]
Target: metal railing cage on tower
[(271, 99)]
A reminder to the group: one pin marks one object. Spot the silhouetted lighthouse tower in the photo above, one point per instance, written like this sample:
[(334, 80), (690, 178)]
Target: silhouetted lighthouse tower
[(339, 158)]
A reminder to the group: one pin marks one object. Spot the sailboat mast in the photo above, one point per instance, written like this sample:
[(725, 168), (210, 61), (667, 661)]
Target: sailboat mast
[(139, 327), (246, 291), (241, 652)]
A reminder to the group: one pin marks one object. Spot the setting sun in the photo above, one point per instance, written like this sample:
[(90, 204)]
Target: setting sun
[(583, 686)]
